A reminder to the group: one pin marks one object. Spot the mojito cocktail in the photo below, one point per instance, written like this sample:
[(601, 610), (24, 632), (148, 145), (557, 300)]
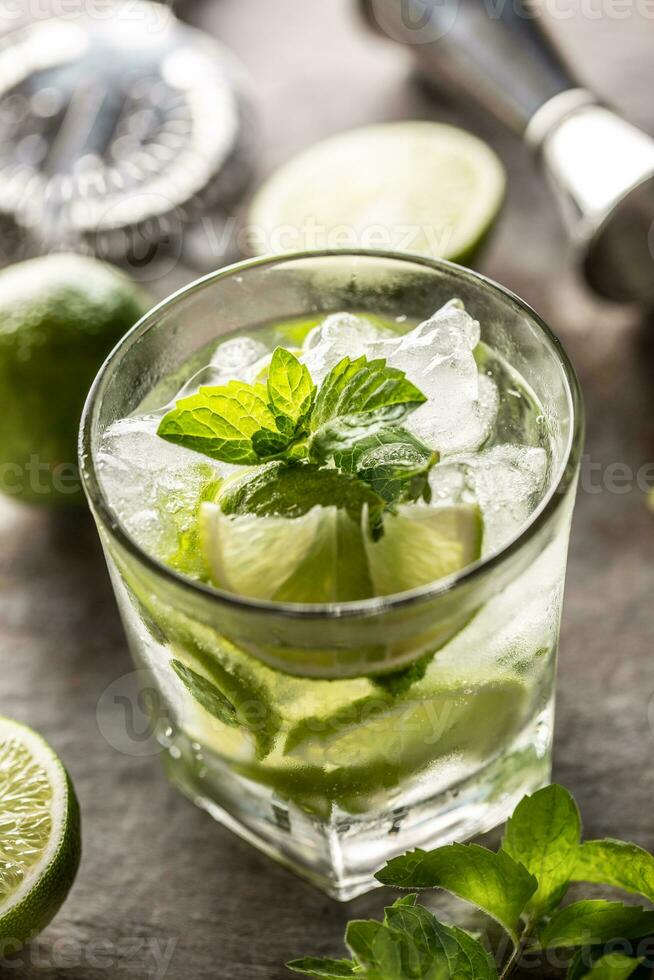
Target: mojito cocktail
[(334, 491)]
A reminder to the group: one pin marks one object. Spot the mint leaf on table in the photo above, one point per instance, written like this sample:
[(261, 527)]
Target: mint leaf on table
[(616, 863), (324, 968), (277, 490), (543, 835), (290, 391), (593, 922), (206, 694), (232, 423), (430, 949), (356, 399), (410, 944), (494, 882), (375, 949), (612, 966), (394, 462)]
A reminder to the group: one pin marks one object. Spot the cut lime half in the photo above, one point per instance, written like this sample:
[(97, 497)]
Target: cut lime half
[(40, 842), (420, 187)]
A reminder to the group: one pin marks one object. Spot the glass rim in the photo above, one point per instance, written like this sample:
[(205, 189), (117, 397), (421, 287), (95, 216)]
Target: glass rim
[(561, 480)]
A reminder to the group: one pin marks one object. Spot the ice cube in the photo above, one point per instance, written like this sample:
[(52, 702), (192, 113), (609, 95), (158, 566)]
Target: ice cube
[(508, 482), (153, 486), (338, 336), (234, 357), (437, 356), (206, 377), (447, 330), (449, 484)]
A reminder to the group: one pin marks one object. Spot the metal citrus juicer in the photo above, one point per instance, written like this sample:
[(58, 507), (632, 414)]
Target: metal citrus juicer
[(600, 167), (121, 130)]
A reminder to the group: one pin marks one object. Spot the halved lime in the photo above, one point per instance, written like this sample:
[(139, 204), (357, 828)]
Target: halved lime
[(317, 557), (419, 187), (423, 544), (40, 843)]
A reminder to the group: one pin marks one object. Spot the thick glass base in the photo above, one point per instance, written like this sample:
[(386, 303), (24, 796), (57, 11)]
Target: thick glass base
[(340, 852)]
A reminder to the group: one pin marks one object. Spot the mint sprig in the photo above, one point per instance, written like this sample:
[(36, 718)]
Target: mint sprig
[(233, 423), (291, 392), (291, 491), (394, 462), (521, 886), (357, 399), (351, 423), (536, 822)]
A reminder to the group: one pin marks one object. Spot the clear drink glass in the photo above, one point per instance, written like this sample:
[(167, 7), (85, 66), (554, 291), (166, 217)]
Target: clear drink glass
[(321, 767)]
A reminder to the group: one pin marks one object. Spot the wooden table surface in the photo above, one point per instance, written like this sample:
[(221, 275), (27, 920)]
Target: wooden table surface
[(163, 891)]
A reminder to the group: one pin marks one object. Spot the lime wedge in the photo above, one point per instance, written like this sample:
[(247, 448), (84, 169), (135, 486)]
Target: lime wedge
[(317, 557), (419, 187), (405, 731), (423, 544), (40, 842), (377, 741)]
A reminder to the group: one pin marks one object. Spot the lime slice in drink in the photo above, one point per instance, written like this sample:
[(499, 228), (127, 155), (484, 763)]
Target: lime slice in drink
[(40, 842), (317, 557), (423, 544), (419, 187), (384, 738)]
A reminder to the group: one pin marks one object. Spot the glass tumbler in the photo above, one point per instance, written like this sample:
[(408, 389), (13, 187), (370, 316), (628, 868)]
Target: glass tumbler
[(319, 764)]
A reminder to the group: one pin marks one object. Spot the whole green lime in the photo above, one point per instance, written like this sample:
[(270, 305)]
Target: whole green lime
[(60, 315)]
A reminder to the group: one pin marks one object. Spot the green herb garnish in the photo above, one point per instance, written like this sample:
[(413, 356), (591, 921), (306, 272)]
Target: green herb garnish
[(351, 424), (521, 886)]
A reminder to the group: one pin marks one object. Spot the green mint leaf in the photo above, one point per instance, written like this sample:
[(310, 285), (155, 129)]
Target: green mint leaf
[(206, 694), (495, 883), (593, 922), (356, 399), (291, 491), (232, 423), (290, 390), (400, 681), (250, 697), (323, 968), (543, 835), (375, 948), (393, 461), (403, 900), (430, 949), (613, 966), (267, 444), (614, 862)]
